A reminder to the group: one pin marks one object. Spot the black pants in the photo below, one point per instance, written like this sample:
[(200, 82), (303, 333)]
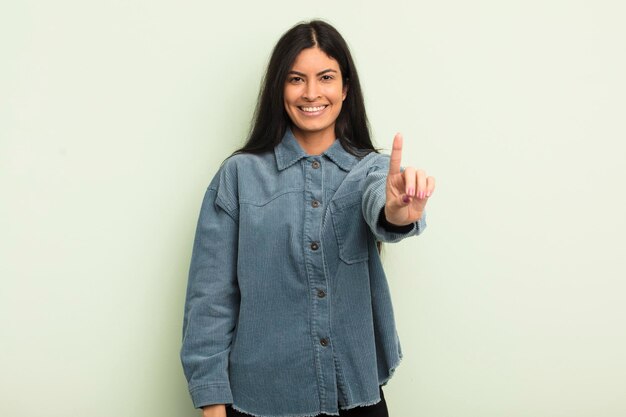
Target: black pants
[(375, 410)]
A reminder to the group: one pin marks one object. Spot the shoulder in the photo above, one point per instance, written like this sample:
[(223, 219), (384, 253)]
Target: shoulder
[(373, 161), (242, 161), (379, 160), (238, 166)]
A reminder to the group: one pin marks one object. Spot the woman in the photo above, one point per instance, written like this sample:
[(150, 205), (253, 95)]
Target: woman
[(288, 311)]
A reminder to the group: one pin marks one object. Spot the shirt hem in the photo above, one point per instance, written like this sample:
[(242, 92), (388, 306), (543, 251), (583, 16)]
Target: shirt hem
[(392, 370), (283, 415), (362, 404)]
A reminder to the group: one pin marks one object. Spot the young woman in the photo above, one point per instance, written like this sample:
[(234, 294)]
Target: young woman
[(288, 310)]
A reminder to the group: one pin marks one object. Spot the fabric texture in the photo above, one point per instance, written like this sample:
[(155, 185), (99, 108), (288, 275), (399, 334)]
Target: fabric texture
[(288, 311), (374, 410)]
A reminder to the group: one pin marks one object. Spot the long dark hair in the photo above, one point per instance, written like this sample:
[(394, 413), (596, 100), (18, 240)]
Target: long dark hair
[(271, 120)]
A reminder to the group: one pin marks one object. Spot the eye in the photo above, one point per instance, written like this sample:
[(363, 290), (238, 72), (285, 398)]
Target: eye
[(327, 77), (295, 79)]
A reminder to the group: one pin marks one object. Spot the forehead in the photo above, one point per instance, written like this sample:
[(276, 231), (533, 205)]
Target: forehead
[(313, 60)]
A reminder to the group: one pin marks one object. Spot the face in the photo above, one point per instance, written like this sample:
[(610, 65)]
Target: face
[(314, 93)]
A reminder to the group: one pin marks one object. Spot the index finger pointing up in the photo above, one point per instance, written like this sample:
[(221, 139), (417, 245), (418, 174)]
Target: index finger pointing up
[(396, 155)]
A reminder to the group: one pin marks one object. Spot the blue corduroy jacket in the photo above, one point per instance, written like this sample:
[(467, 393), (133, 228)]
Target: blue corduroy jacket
[(288, 310)]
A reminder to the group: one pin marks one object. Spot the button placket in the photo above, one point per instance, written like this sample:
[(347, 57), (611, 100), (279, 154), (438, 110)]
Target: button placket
[(316, 273)]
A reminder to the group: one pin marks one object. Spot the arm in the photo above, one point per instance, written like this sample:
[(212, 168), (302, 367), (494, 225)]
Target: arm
[(212, 302)]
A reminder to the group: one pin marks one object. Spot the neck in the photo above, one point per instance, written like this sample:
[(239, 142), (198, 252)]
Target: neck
[(314, 143)]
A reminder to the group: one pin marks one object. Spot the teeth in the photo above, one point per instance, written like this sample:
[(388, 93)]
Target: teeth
[(312, 109)]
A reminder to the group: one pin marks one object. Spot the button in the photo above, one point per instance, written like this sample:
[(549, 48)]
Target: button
[(321, 293), (315, 164), (324, 342), (315, 203), (314, 246)]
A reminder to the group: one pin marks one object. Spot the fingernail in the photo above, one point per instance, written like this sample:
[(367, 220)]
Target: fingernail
[(411, 191), (421, 194), (428, 194), (406, 198)]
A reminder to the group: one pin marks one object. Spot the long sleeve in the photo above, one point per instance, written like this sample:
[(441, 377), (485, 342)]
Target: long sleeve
[(212, 301), (373, 201)]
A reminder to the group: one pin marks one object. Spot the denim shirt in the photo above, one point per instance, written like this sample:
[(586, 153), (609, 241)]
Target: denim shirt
[(288, 310)]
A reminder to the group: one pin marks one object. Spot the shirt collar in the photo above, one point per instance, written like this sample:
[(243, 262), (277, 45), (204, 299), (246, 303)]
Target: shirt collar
[(289, 151)]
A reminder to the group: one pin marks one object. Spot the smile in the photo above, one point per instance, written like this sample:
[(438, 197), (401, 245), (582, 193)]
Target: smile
[(312, 111)]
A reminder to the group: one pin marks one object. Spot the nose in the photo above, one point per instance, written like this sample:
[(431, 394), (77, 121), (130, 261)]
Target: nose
[(311, 92)]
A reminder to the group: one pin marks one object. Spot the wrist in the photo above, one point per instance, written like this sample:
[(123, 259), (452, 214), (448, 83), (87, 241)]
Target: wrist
[(387, 225)]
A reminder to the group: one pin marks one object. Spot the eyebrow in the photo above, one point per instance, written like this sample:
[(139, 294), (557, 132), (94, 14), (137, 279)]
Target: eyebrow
[(319, 73)]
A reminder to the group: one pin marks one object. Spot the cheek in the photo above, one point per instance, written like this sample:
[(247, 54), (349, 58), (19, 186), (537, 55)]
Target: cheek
[(288, 96), (338, 96), (288, 104)]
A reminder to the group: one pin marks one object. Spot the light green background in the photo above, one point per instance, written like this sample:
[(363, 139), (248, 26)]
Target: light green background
[(114, 116)]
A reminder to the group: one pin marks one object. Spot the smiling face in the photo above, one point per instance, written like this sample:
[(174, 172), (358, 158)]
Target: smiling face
[(314, 93)]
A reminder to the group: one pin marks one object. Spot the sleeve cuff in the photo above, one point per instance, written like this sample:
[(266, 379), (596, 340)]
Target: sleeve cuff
[(211, 394), (382, 221)]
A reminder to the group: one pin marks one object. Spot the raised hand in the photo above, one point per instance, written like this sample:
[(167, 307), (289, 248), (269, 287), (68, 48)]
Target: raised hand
[(407, 191)]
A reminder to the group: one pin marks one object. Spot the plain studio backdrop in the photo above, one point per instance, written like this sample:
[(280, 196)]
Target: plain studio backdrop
[(115, 115)]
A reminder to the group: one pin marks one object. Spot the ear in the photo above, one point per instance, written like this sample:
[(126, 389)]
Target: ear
[(345, 90)]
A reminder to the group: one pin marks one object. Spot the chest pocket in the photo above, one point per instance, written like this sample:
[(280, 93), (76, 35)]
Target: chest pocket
[(350, 227)]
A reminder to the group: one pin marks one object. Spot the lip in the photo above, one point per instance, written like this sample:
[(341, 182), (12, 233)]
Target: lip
[(315, 113)]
